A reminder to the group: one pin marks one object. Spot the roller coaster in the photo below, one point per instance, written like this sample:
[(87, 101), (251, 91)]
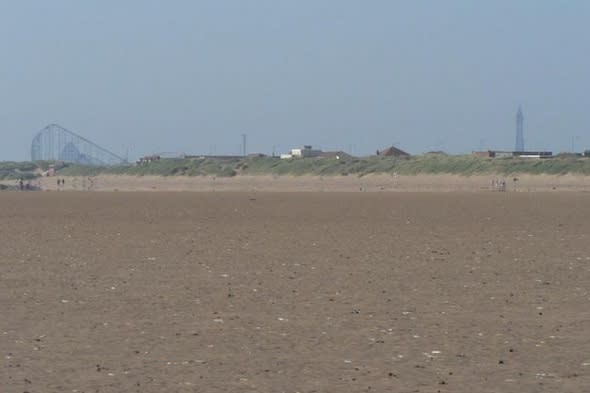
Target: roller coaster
[(55, 143)]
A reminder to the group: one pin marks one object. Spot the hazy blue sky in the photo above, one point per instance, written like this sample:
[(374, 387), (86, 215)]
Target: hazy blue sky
[(191, 76)]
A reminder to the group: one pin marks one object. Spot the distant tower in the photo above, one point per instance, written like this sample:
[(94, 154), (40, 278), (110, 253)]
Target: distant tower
[(519, 130)]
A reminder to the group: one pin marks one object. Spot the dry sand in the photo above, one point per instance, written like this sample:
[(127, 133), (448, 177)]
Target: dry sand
[(294, 292), (370, 183)]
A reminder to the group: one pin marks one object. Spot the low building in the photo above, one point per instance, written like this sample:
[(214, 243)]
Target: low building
[(484, 154), (533, 154), (339, 155), (305, 152), (509, 154), (392, 152), (147, 159)]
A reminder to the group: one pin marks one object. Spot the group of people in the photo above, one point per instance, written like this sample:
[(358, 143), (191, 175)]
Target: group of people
[(22, 186), (27, 186), (498, 185)]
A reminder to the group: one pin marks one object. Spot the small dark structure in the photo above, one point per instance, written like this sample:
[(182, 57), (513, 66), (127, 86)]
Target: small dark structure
[(393, 152), (335, 154)]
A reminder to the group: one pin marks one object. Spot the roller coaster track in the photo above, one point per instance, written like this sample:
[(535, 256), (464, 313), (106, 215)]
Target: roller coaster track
[(55, 143)]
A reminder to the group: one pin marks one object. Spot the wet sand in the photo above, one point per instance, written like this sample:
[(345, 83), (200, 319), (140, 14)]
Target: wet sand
[(294, 292)]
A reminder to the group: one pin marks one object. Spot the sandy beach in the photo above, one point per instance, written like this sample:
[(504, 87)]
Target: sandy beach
[(294, 292), (370, 183)]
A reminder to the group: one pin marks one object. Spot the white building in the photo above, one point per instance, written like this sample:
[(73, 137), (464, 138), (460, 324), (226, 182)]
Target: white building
[(306, 151)]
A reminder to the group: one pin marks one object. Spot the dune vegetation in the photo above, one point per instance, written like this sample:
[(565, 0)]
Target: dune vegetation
[(465, 165)]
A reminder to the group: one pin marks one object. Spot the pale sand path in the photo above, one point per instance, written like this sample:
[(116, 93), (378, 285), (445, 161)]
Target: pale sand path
[(370, 183)]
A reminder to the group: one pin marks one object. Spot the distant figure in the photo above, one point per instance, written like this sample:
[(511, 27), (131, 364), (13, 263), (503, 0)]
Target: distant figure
[(21, 184)]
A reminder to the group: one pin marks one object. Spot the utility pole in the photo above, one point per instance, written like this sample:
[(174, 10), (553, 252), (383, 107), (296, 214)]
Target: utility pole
[(244, 139), (519, 145), (574, 143)]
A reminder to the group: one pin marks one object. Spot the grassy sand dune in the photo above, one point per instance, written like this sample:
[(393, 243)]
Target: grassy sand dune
[(465, 165), (428, 164)]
